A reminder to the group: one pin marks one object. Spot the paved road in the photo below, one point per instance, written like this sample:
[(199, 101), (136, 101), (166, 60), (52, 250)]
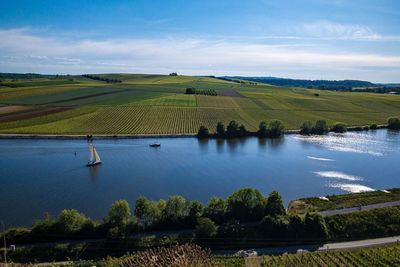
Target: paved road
[(323, 247), (362, 208)]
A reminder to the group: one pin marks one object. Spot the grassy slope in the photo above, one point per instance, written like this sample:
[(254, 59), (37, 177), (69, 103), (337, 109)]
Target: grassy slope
[(156, 104), (304, 205)]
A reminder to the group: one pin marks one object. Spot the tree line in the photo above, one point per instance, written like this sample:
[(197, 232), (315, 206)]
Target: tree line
[(194, 91), (103, 79), (273, 129)]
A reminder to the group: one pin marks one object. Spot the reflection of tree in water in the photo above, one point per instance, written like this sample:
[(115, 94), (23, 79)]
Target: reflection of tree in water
[(94, 172), (220, 145), (275, 143), (203, 144)]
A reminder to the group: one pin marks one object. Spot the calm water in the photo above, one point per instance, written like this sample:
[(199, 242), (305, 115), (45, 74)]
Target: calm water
[(45, 175)]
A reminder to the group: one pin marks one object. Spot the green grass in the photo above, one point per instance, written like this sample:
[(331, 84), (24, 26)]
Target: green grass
[(371, 257), (151, 104), (313, 204)]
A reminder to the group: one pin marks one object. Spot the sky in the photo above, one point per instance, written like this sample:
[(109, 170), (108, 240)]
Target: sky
[(304, 39)]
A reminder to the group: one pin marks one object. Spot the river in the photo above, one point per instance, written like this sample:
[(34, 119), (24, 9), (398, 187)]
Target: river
[(38, 176)]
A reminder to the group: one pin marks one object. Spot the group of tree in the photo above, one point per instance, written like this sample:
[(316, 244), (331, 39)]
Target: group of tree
[(273, 129), (394, 124), (194, 91), (319, 127), (173, 74), (103, 79)]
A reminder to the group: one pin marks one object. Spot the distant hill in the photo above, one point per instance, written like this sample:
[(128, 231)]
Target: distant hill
[(321, 84)]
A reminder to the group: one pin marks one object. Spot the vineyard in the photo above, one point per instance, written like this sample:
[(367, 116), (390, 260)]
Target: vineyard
[(157, 104), (386, 256)]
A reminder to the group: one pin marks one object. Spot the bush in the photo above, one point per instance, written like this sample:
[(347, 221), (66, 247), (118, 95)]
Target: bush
[(203, 132), (262, 129), (306, 128), (216, 209), (205, 228), (320, 127), (247, 204), (274, 226), (220, 129), (119, 214), (373, 127), (232, 129), (275, 129), (70, 221), (339, 128), (394, 124), (274, 206)]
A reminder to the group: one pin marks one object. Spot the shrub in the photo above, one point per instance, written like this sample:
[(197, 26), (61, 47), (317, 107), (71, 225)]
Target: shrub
[(203, 132), (274, 226), (205, 228), (232, 129), (220, 129), (373, 127), (274, 204), (320, 127), (262, 129), (119, 214), (70, 221), (394, 124), (306, 128), (275, 129), (339, 128), (216, 209), (247, 204)]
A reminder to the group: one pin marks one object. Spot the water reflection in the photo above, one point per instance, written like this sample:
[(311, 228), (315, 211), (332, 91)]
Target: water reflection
[(94, 172)]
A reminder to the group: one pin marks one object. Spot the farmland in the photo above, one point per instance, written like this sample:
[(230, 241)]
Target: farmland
[(156, 104), (386, 256)]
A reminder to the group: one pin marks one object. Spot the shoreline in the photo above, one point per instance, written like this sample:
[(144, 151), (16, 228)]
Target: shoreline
[(140, 136)]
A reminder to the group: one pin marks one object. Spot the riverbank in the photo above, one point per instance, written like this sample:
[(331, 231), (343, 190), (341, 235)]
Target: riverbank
[(138, 136)]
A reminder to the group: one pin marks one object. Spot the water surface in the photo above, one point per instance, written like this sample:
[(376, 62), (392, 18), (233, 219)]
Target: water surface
[(38, 176)]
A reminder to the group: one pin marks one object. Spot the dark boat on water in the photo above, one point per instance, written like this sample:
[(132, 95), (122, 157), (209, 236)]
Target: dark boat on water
[(155, 145)]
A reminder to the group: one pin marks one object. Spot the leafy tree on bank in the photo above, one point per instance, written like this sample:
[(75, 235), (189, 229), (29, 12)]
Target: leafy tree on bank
[(339, 128), (175, 212), (315, 226), (216, 209), (274, 206), (71, 221), (247, 204), (394, 124), (306, 128), (320, 127), (231, 229), (262, 129), (232, 129), (275, 129), (203, 132), (220, 129), (274, 226), (196, 210), (119, 216), (205, 228)]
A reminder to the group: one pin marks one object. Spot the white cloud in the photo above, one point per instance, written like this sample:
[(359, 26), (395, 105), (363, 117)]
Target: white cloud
[(23, 51)]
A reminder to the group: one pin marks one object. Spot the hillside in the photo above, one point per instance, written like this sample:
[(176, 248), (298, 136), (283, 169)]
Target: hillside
[(157, 104)]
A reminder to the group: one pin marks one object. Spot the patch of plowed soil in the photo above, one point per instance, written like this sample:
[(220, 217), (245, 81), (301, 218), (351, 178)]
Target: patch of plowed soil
[(33, 113), (12, 109), (87, 96), (231, 93)]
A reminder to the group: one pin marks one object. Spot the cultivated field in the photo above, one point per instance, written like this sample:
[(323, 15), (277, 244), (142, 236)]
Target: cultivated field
[(156, 104), (387, 256)]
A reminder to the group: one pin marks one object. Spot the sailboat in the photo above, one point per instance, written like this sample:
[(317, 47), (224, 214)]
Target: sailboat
[(94, 156)]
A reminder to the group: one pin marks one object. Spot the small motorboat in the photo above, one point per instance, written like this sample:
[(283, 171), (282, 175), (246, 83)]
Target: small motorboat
[(155, 145), (94, 157)]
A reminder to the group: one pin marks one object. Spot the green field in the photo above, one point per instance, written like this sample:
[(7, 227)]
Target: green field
[(386, 256), (315, 204), (156, 104)]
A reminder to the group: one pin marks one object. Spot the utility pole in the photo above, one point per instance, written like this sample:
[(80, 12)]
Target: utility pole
[(5, 244)]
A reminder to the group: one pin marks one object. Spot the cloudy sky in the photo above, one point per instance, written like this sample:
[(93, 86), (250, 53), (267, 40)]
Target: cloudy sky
[(312, 39)]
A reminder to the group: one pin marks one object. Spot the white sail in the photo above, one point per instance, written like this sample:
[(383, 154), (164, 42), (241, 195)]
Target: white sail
[(91, 157), (96, 155)]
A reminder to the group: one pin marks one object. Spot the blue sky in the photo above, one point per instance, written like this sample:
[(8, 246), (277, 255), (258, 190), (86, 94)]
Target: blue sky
[(313, 39)]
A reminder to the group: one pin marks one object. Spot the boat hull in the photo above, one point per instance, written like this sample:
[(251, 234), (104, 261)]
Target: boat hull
[(91, 164)]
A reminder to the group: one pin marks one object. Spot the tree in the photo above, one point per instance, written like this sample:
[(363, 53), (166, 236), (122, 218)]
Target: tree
[(119, 214), (242, 130), (247, 204), (175, 211), (216, 209), (275, 129), (315, 226), (262, 129), (205, 228), (296, 226), (274, 206), (339, 128), (173, 74), (394, 124), (320, 127), (231, 229), (306, 128), (274, 226), (195, 211), (232, 129), (70, 221), (190, 91), (220, 129), (203, 132)]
